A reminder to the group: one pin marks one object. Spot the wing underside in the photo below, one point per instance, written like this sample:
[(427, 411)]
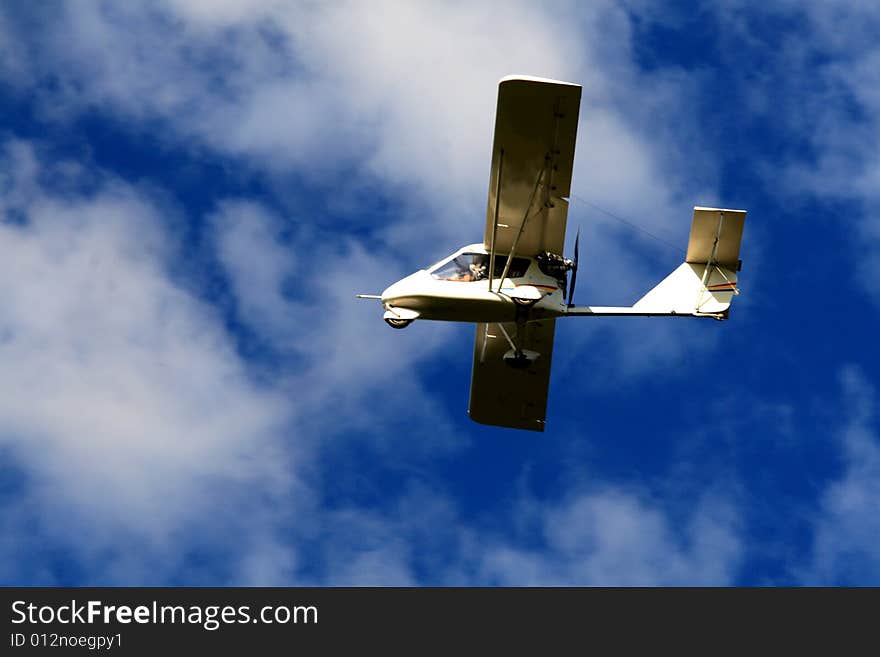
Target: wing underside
[(504, 396), (532, 158)]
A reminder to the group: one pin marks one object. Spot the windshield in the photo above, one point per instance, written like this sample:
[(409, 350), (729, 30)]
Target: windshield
[(475, 267)]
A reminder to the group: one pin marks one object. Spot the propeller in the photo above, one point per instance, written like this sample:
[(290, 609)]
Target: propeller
[(574, 269)]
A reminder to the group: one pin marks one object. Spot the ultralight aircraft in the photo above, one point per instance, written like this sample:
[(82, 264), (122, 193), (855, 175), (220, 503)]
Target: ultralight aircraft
[(516, 283)]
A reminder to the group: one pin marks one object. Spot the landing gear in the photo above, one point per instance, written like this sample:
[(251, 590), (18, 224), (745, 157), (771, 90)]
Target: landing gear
[(520, 359), (517, 361), (526, 296), (394, 322)]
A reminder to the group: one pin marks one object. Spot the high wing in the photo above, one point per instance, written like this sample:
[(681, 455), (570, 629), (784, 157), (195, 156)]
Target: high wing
[(532, 156), (504, 396)]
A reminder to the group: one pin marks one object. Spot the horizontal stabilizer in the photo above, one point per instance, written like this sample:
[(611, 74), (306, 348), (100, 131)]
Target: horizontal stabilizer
[(716, 232)]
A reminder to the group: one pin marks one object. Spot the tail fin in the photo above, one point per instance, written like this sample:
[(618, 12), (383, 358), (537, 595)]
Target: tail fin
[(705, 283), (684, 292)]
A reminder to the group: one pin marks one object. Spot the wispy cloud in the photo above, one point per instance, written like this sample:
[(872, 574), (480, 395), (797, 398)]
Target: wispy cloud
[(847, 525), (606, 536), (616, 538), (121, 399), (805, 75)]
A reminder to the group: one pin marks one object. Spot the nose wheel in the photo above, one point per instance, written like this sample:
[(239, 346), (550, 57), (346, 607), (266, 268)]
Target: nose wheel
[(399, 317), (395, 322)]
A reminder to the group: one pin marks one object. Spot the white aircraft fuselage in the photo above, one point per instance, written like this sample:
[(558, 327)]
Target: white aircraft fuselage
[(447, 292)]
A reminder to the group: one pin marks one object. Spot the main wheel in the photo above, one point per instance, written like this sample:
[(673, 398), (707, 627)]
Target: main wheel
[(398, 323), (524, 303), (518, 362)]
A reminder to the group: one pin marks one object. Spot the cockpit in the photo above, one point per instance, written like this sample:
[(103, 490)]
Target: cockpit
[(467, 267)]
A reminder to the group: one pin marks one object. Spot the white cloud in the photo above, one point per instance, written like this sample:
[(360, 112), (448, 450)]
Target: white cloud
[(847, 526), (259, 269), (13, 61), (813, 86), (120, 397), (604, 537), (614, 538), (367, 549)]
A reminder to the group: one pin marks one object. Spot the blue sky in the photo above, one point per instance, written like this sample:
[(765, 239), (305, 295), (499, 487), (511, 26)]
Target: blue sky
[(193, 193)]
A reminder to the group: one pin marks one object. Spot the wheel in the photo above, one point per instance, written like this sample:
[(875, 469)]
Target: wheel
[(398, 323), (518, 362), (524, 303)]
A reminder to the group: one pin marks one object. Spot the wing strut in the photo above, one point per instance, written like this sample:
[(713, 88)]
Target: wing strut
[(710, 263), (495, 224), (486, 337), (546, 169), (522, 226), (509, 340)]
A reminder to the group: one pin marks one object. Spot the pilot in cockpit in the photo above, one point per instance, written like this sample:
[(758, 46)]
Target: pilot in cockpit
[(478, 269), (465, 268)]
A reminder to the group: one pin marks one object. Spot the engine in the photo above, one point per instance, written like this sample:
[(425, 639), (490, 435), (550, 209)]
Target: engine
[(554, 265)]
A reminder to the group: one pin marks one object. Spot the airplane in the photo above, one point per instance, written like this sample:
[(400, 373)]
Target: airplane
[(515, 284)]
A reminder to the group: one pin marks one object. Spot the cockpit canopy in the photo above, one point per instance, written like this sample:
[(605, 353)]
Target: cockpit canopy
[(466, 267)]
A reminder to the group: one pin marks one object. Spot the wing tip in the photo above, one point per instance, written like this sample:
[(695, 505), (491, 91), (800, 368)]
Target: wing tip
[(533, 78), (532, 425), (704, 209)]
